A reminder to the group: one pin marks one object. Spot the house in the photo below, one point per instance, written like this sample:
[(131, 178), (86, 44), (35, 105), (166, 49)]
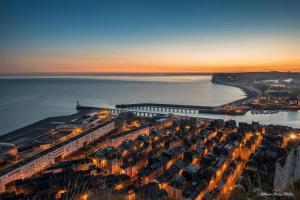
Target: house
[(175, 188)]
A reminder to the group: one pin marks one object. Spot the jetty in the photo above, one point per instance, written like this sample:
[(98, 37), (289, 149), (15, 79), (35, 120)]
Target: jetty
[(176, 108)]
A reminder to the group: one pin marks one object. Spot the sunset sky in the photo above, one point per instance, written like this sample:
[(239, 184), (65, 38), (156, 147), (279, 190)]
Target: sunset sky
[(149, 36)]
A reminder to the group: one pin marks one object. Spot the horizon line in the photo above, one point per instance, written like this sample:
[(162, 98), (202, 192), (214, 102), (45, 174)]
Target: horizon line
[(132, 73)]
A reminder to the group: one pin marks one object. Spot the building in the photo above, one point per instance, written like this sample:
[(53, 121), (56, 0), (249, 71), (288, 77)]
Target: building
[(163, 122), (7, 151), (117, 139), (40, 161)]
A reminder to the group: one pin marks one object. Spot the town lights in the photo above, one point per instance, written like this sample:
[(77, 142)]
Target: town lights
[(131, 195), (293, 136), (59, 193), (103, 163), (76, 130), (124, 153), (119, 186), (162, 186), (195, 161), (205, 151), (95, 162), (169, 164), (135, 124), (180, 172), (84, 196)]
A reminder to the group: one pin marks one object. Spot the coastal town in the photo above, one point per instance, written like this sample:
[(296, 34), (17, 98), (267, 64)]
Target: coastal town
[(266, 93), (271, 91), (117, 154), (150, 100)]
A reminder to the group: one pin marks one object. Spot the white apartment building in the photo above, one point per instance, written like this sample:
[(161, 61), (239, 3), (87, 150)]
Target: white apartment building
[(40, 161)]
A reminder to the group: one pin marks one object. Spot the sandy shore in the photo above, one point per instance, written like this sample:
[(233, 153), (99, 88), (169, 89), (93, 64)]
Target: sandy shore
[(250, 92)]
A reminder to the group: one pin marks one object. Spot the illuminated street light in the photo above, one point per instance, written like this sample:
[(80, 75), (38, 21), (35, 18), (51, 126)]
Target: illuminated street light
[(293, 136)]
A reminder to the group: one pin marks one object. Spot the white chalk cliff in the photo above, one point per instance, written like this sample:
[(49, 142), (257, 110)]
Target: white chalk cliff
[(289, 171)]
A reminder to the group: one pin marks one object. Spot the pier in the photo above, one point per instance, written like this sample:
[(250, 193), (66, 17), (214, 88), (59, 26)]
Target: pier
[(175, 108), (117, 111), (166, 107), (137, 113)]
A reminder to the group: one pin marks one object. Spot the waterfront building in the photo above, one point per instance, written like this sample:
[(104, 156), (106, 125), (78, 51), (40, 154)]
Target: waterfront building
[(44, 159)]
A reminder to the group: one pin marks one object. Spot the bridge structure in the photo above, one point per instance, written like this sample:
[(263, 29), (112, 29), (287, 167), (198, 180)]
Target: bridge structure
[(114, 111), (117, 111), (167, 108), (152, 109)]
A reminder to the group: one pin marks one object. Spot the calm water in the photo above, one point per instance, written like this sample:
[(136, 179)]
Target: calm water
[(26, 100)]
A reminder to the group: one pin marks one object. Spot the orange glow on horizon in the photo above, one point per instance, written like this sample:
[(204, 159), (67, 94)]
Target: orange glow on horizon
[(226, 56), (158, 68), (235, 52), (176, 65)]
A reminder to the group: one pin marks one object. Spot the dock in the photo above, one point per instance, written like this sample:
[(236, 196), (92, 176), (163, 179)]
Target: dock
[(176, 108)]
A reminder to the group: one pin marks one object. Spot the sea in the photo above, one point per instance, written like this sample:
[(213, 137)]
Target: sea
[(27, 99)]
